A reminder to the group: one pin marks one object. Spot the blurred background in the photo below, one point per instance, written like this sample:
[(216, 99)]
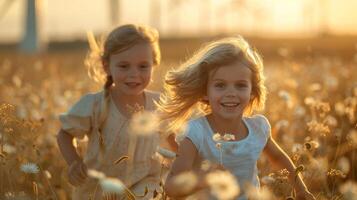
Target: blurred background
[(49, 22), (309, 49)]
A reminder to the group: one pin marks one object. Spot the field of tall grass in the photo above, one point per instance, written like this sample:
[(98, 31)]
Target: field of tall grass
[(312, 107)]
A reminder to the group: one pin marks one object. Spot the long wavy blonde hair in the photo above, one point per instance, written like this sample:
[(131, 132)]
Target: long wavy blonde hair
[(118, 40), (185, 87)]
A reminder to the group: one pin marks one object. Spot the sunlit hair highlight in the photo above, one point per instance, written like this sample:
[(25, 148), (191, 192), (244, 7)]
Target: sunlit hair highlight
[(185, 87)]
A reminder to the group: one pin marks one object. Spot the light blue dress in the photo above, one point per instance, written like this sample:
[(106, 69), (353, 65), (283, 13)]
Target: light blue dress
[(239, 157)]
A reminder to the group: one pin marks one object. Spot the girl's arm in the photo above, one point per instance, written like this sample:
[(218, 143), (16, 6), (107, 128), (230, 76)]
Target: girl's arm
[(65, 144), (77, 171), (187, 153), (172, 143), (282, 160)]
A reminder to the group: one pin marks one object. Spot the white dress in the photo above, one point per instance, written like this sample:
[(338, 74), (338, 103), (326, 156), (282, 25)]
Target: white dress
[(239, 157), (144, 171)]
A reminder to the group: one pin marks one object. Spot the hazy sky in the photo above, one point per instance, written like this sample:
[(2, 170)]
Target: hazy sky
[(70, 19)]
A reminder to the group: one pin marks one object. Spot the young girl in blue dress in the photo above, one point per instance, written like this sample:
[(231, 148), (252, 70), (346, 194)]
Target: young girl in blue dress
[(222, 85)]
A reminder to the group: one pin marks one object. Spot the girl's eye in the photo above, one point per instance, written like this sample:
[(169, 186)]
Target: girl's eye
[(123, 66), (143, 67), (241, 85), (219, 85)]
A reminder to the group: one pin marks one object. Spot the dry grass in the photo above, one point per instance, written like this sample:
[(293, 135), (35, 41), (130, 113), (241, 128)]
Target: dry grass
[(312, 107)]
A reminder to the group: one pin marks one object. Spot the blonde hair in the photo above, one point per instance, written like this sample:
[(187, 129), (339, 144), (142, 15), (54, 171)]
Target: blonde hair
[(118, 40), (185, 87)]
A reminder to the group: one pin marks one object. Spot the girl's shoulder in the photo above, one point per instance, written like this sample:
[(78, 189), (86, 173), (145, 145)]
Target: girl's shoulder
[(259, 123), (194, 129), (258, 118), (77, 121), (87, 102), (198, 122)]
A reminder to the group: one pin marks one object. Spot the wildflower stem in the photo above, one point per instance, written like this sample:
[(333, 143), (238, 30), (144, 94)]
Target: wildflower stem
[(95, 190), (293, 193), (338, 149), (221, 156), (48, 183)]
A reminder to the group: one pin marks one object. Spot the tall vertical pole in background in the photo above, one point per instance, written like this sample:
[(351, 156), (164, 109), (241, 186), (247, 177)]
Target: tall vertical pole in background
[(205, 17), (155, 14), (324, 17), (114, 12), (33, 41)]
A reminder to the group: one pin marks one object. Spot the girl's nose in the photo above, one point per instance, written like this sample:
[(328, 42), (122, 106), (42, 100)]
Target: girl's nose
[(133, 72), (231, 92)]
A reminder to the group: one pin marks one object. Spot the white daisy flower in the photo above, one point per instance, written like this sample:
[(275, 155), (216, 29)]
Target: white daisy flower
[(349, 190), (112, 185), (262, 193), (282, 124), (344, 165), (9, 148), (217, 137), (228, 137), (30, 168), (223, 185), (284, 95), (352, 137), (144, 123), (186, 181)]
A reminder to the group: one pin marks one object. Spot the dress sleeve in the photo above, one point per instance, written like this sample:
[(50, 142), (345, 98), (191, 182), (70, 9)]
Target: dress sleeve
[(194, 134), (77, 121), (265, 125)]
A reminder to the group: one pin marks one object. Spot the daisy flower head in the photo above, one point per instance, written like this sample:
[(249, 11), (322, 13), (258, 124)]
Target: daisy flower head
[(186, 181), (30, 168), (144, 123), (223, 185), (344, 165), (217, 137), (228, 137), (9, 148), (262, 193), (349, 190)]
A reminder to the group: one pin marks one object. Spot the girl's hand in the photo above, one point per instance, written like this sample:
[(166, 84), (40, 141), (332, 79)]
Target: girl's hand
[(305, 195), (77, 173)]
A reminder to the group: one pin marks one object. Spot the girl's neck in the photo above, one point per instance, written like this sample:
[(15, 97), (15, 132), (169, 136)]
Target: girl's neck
[(126, 104), (222, 126)]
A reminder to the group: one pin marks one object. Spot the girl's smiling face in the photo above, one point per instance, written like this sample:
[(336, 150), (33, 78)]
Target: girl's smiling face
[(131, 69), (229, 91)]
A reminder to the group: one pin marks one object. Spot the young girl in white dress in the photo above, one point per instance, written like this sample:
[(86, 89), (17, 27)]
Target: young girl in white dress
[(127, 59), (224, 81)]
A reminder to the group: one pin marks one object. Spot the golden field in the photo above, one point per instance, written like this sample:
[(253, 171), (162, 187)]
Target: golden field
[(312, 108)]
